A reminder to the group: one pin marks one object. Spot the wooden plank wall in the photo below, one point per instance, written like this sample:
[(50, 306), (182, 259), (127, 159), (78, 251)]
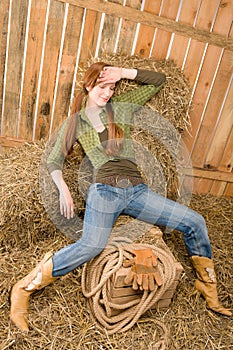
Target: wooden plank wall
[(44, 42)]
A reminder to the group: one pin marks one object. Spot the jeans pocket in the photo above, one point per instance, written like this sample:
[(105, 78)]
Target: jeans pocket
[(104, 198)]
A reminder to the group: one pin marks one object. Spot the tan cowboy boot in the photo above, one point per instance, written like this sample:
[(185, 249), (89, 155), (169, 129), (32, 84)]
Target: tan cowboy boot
[(40, 277), (206, 283)]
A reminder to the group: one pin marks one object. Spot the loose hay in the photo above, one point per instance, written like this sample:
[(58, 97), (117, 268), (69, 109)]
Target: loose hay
[(59, 317)]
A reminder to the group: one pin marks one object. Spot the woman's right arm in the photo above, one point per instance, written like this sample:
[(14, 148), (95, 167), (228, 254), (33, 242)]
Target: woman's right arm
[(66, 201), (55, 164)]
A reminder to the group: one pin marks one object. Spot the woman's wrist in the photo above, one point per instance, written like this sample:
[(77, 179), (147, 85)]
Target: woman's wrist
[(128, 73), (58, 179)]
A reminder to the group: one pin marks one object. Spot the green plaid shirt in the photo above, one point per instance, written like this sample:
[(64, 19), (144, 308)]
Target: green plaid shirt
[(123, 106)]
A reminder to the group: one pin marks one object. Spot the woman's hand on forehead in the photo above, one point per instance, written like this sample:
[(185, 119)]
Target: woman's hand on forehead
[(110, 75)]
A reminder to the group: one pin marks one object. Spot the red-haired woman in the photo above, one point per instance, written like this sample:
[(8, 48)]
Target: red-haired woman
[(101, 123)]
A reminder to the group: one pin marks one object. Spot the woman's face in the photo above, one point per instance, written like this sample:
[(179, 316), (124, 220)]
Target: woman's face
[(100, 94)]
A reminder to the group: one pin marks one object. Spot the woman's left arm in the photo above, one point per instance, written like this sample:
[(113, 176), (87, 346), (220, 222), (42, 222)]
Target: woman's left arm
[(151, 83), (113, 74)]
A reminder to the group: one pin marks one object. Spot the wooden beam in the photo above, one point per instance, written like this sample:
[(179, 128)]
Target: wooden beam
[(6, 141), (150, 19), (208, 174)]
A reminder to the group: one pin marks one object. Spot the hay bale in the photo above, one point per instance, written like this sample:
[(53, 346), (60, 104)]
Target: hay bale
[(21, 209), (29, 198), (172, 102)]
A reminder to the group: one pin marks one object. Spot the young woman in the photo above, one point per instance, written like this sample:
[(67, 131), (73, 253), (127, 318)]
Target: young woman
[(101, 123)]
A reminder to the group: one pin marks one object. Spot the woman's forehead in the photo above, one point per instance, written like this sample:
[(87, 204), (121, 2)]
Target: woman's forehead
[(111, 85)]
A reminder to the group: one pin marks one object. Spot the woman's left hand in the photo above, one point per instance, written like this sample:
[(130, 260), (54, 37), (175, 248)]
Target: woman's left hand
[(110, 75)]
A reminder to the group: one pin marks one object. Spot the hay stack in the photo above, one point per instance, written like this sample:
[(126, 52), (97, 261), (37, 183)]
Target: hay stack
[(172, 102)]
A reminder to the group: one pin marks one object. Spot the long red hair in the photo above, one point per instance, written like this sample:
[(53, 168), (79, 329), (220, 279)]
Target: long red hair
[(115, 133)]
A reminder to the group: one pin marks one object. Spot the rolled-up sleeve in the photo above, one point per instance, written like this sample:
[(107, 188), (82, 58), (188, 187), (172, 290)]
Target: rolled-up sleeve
[(56, 157), (150, 77)]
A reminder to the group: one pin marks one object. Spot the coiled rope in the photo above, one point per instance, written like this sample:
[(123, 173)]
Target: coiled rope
[(96, 284)]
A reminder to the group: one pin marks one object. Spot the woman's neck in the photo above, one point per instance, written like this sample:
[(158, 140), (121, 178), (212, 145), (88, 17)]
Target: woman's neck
[(93, 114)]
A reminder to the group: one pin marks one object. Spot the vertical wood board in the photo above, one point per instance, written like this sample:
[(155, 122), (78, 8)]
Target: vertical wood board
[(218, 188), (68, 62), (221, 135), (195, 53), (89, 41), (4, 13), (226, 163), (90, 36), (213, 108), (32, 68), (213, 55), (128, 30), (200, 67), (18, 22), (109, 32), (162, 38), (202, 185), (229, 190), (146, 33), (50, 65), (201, 92), (180, 43)]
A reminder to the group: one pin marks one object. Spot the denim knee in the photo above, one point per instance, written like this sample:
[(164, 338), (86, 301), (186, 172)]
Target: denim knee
[(89, 252), (199, 223)]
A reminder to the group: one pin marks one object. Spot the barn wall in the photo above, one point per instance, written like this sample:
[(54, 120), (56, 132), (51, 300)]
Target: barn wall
[(43, 43)]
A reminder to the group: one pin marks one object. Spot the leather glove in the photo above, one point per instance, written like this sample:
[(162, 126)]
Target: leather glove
[(144, 272)]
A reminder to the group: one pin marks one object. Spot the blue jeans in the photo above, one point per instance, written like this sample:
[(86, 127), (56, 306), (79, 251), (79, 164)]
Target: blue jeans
[(103, 206)]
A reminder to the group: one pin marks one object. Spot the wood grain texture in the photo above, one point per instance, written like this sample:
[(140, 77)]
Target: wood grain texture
[(67, 67), (4, 13), (163, 37), (32, 67), (146, 33), (154, 21), (14, 67), (221, 135), (200, 67), (109, 32), (180, 43), (50, 64), (229, 190), (90, 36), (221, 82), (208, 124), (128, 28)]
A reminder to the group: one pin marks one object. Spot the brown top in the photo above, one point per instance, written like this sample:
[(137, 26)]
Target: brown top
[(115, 167)]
